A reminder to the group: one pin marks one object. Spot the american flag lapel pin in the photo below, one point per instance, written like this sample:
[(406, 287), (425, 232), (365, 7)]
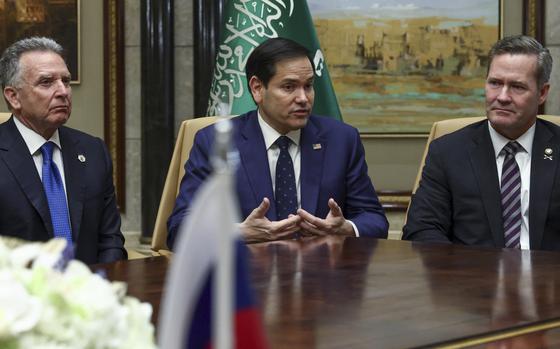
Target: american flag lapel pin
[(316, 146)]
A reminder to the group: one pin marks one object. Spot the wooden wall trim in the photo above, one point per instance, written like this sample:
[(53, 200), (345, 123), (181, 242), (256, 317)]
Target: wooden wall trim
[(114, 110), (533, 23)]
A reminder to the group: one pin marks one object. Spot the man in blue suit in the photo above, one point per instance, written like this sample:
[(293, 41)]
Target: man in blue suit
[(79, 203), (326, 173)]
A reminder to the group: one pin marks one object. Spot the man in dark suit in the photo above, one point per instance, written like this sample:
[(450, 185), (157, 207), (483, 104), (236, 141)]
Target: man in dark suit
[(325, 186), (79, 203), (495, 183)]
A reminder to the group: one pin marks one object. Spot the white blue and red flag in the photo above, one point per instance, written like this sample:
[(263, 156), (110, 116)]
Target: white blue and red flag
[(188, 312)]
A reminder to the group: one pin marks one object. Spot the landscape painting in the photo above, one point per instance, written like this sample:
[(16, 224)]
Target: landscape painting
[(397, 66)]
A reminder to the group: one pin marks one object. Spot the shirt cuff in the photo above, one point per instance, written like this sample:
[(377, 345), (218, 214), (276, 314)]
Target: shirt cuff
[(356, 231)]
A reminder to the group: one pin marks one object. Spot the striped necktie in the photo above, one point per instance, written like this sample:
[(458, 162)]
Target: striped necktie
[(511, 196)]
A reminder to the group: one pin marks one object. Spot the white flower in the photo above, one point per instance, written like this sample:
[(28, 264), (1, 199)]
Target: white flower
[(44, 308), (19, 311)]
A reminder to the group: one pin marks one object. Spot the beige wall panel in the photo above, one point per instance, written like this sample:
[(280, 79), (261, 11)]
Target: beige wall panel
[(393, 162)]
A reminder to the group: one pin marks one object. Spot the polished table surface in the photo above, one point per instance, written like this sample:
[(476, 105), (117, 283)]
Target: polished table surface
[(360, 292)]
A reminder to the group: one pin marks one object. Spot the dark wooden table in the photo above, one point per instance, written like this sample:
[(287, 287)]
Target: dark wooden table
[(369, 293)]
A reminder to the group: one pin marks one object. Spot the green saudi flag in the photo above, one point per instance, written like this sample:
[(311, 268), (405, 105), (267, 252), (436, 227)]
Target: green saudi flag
[(247, 23)]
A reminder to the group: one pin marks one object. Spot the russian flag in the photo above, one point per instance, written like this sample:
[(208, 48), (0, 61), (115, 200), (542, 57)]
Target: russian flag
[(247, 325), (188, 304)]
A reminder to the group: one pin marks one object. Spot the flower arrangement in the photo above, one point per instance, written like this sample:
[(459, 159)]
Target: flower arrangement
[(47, 302)]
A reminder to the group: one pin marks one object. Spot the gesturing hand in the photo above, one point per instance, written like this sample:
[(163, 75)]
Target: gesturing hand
[(333, 224), (258, 228)]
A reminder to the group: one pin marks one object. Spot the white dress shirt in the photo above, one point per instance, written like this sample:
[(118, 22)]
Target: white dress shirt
[(34, 142), (270, 136), (523, 158)]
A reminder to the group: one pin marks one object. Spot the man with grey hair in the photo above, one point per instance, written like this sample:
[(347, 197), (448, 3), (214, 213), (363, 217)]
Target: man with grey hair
[(495, 183), (54, 181)]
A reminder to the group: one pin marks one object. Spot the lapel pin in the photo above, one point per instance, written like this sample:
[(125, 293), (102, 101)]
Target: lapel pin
[(548, 154), (316, 146), (81, 158)]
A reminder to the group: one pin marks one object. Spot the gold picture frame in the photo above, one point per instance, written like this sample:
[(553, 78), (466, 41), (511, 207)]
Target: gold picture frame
[(59, 20), (113, 19)]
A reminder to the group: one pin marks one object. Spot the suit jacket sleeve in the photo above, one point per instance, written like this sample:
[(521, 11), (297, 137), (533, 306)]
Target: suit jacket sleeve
[(110, 238), (430, 215), (197, 169), (362, 205)]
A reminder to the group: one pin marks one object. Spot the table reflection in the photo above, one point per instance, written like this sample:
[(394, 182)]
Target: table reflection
[(511, 284), (367, 293), (294, 293), (517, 301)]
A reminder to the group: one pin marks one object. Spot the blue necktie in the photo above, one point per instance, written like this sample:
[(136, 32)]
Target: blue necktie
[(285, 186), (56, 197)]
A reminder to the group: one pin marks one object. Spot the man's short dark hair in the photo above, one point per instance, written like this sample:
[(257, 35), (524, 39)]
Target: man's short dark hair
[(262, 61), (526, 45)]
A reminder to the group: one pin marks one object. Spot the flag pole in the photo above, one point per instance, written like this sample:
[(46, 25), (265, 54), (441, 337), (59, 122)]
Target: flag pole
[(223, 293)]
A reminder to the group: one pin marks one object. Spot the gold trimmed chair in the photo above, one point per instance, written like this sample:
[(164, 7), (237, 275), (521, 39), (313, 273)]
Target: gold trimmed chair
[(4, 117), (444, 127), (175, 173)]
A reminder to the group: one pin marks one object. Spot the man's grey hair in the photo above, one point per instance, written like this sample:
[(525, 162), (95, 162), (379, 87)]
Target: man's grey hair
[(10, 69), (522, 44)]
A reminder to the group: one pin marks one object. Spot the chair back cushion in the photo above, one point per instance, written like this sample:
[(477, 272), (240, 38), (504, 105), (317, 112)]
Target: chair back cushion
[(188, 130), (181, 152), (4, 117), (444, 127)]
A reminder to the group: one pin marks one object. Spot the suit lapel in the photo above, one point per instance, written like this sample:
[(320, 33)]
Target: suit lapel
[(254, 161), (542, 178), (312, 148), (74, 175), (16, 155), (483, 161)]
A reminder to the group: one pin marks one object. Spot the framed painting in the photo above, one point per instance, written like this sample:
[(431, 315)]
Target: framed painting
[(398, 66), (57, 19)]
